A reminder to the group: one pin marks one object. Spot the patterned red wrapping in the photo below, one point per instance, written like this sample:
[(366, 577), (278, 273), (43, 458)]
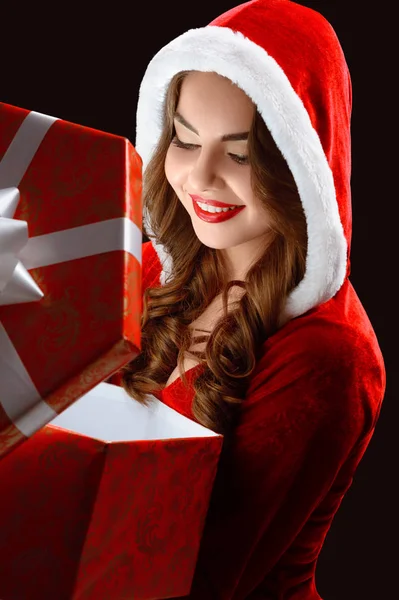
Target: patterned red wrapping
[(85, 519), (70, 240)]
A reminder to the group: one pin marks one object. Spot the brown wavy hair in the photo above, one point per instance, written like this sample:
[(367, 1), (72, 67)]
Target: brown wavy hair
[(198, 276)]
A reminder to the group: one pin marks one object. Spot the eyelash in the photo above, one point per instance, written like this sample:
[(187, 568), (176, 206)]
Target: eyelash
[(241, 159)]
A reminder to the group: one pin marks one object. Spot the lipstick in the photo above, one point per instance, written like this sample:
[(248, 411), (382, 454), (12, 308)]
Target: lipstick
[(215, 203), (216, 217)]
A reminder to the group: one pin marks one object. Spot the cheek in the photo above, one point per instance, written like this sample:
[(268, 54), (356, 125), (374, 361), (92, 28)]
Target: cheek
[(169, 167), (242, 184), (174, 167)]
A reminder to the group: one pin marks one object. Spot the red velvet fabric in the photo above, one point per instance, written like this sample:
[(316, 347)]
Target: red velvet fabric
[(308, 417)]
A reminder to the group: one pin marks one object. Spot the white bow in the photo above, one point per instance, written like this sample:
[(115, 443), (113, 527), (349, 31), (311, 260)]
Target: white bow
[(16, 285)]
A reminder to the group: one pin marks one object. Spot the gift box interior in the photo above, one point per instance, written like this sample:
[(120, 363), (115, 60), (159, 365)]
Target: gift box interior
[(107, 501), (108, 413)]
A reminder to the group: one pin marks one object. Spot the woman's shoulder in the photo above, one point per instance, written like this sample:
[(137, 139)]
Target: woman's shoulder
[(335, 333), (327, 359)]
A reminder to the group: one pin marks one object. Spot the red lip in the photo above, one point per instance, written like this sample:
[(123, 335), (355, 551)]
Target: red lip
[(215, 217), (211, 202)]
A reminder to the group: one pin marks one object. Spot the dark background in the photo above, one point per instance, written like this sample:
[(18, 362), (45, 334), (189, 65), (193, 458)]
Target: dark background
[(86, 67)]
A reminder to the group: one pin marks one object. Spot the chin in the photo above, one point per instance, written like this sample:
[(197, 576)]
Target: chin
[(216, 244)]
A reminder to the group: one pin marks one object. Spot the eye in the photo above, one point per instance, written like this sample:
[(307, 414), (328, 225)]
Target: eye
[(241, 159), (180, 144)]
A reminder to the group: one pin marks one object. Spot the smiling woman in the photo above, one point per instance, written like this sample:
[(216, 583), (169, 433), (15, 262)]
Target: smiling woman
[(261, 237), (207, 162), (291, 372)]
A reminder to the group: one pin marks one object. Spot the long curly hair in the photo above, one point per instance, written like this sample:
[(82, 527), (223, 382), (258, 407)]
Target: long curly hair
[(234, 346)]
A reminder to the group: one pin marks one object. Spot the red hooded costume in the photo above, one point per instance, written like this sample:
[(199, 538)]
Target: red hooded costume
[(315, 396)]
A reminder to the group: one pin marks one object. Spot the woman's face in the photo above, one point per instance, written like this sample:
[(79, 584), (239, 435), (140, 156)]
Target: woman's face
[(204, 161)]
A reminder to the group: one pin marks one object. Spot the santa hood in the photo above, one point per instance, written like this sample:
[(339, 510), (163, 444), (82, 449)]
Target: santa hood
[(288, 60)]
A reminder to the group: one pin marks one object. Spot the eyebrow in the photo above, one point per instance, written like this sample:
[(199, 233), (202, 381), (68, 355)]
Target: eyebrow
[(229, 137)]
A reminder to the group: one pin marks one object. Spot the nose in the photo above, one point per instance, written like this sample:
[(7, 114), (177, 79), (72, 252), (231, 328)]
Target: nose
[(205, 173)]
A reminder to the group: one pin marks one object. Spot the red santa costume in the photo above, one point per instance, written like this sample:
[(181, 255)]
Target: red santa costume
[(315, 396)]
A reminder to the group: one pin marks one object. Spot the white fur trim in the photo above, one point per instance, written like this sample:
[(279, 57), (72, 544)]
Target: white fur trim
[(250, 67)]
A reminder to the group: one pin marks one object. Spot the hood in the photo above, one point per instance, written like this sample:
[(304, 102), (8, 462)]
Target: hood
[(288, 60)]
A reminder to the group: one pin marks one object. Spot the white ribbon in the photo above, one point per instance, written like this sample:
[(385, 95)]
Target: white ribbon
[(16, 285), (18, 394)]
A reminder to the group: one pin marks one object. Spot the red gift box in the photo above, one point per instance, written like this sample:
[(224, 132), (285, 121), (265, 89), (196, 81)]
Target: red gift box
[(70, 265), (82, 518)]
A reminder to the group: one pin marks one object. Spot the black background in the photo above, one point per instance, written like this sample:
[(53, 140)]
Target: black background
[(85, 66)]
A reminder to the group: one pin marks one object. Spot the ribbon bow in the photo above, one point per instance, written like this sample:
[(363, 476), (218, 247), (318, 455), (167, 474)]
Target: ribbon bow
[(16, 285)]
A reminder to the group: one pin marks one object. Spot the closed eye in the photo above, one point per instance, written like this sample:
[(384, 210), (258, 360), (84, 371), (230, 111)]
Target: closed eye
[(179, 144), (241, 159)]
